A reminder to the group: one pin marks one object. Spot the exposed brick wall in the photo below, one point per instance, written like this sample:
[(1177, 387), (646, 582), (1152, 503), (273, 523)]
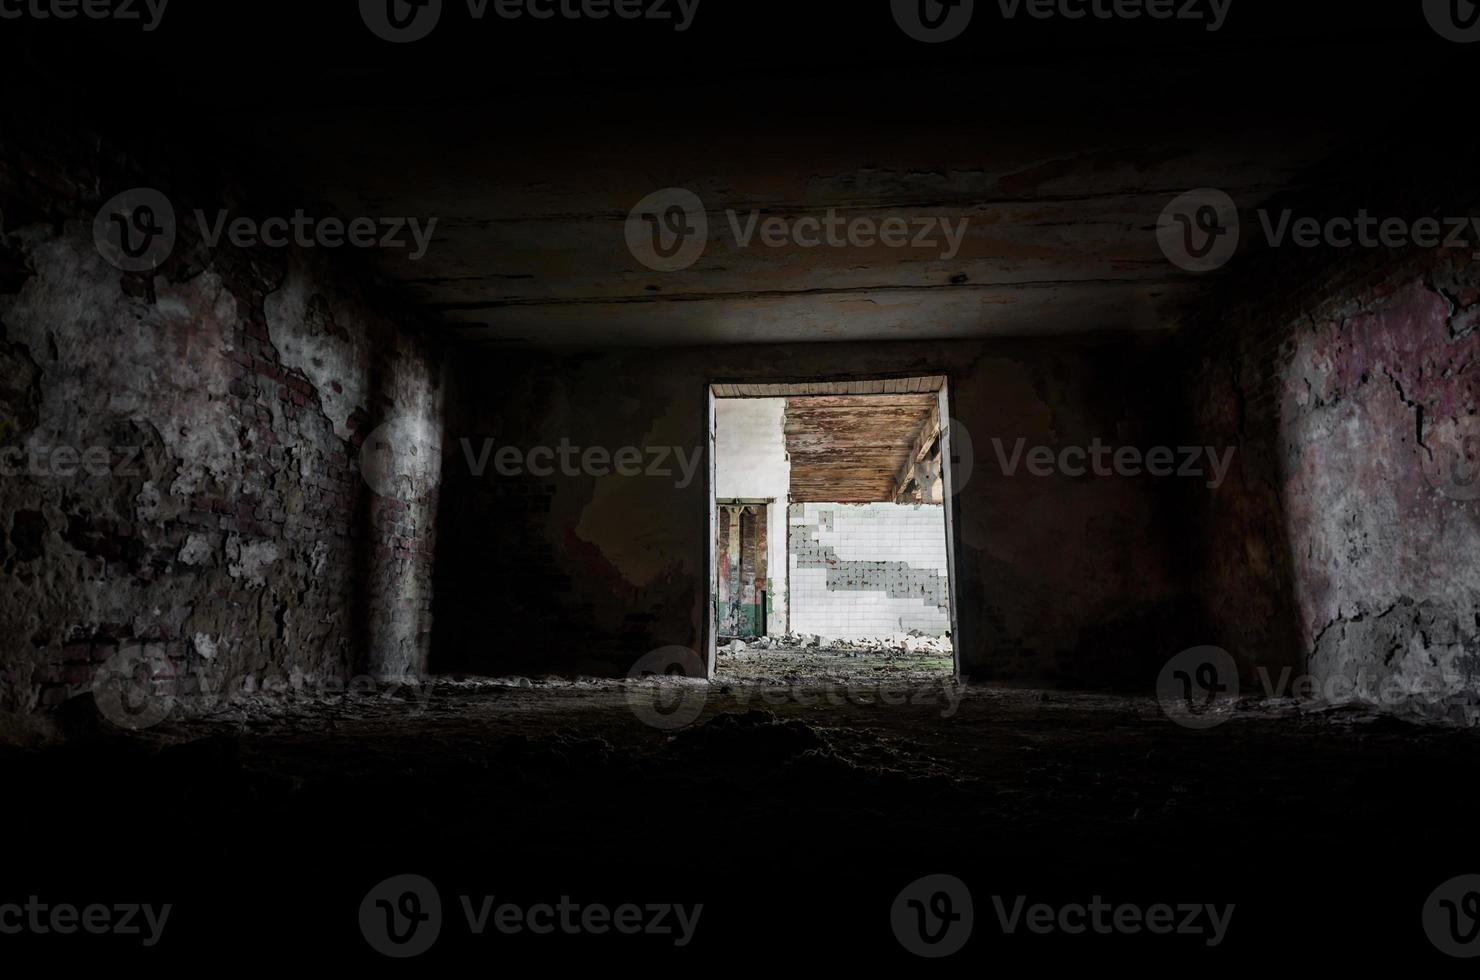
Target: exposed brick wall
[(1340, 374), (223, 526), (751, 463), (741, 584)]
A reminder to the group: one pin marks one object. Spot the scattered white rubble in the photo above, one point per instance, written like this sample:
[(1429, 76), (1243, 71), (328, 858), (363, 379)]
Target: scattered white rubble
[(913, 642)]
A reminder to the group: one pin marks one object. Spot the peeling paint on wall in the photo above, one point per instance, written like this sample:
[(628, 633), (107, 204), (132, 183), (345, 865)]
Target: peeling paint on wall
[(1334, 551), (222, 518)]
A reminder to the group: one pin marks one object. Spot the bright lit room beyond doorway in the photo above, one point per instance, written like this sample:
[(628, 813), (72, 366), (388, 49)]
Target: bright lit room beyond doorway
[(832, 552)]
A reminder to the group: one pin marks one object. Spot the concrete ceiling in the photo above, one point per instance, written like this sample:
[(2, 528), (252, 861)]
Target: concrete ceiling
[(1058, 144), (852, 448), (1059, 174)]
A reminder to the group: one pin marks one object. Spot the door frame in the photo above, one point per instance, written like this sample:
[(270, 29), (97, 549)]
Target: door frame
[(792, 388)]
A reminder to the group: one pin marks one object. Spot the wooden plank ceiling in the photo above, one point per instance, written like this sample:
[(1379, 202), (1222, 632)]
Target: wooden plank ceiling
[(852, 448), (868, 386)]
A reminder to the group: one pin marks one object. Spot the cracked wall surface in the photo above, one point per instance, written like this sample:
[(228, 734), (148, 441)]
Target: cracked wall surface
[(181, 449), (1348, 546)]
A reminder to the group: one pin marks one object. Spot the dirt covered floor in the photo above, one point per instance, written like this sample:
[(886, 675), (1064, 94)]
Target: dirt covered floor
[(794, 810), (842, 664)]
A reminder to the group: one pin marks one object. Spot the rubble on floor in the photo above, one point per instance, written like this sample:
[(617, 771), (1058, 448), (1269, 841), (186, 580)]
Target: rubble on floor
[(911, 642), (858, 667)]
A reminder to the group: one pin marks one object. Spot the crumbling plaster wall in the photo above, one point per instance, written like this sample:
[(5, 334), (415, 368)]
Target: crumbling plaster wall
[(221, 527), (1069, 578), (1336, 552), (1347, 548)]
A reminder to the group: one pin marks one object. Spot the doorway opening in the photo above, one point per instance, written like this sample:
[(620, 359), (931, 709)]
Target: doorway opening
[(832, 530)]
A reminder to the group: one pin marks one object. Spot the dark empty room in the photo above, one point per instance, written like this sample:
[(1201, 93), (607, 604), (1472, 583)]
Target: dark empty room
[(537, 484)]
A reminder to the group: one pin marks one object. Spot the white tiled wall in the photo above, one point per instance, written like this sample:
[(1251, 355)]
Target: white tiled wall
[(864, 570)]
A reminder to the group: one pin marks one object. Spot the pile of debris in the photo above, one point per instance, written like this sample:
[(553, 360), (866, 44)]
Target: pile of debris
[(913, 642)]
